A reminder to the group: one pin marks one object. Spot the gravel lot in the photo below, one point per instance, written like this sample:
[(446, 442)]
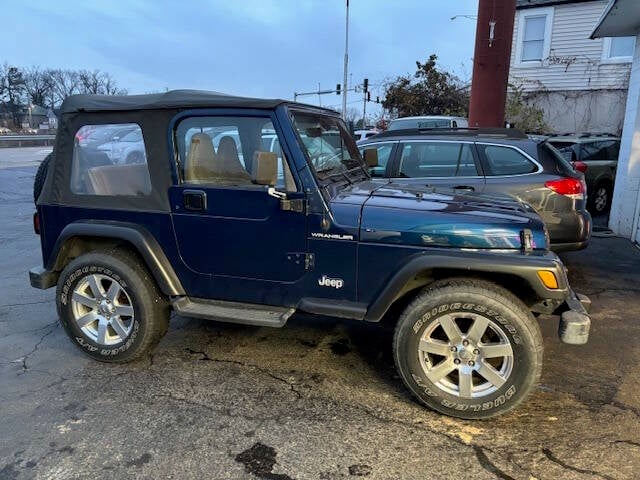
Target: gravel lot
[(318, 399)]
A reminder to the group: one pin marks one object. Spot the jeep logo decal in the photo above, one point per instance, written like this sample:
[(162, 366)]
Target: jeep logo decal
[(330, 282)]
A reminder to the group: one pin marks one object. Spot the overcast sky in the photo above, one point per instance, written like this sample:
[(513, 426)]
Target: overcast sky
[(267, 48)]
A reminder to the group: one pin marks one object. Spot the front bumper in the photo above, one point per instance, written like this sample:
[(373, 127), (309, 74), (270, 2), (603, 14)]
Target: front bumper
[(574, 321), (42, 278)]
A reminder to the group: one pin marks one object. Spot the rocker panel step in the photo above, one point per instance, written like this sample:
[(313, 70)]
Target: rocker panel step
[(233, 312)]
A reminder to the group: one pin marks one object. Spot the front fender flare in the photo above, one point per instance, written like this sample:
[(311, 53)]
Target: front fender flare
[(524, 266)]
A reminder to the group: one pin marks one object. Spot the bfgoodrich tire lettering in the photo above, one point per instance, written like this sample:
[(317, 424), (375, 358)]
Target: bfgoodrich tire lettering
[(122, 290), (468, 348)]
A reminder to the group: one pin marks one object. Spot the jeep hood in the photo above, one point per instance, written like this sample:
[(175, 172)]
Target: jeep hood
[(396, 214)]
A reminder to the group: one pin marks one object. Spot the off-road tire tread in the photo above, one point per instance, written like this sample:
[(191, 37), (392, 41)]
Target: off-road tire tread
[(490, 290), (156, 308)]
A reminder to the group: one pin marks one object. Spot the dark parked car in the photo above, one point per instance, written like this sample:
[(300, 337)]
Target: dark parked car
[(597, 157), (202, 226), (496, 161)]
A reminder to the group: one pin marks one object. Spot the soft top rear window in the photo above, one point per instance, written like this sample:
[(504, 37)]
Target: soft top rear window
[(110, 160)]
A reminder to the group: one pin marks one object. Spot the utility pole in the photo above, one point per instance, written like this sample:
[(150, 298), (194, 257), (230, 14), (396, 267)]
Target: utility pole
[(346, 63), (494, 33)]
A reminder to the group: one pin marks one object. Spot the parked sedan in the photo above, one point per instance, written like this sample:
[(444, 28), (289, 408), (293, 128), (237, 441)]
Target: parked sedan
[(497, 161), (127, 150), (597, 157)]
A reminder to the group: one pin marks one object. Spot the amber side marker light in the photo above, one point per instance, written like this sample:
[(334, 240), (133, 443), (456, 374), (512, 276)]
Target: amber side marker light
[(548, 278)]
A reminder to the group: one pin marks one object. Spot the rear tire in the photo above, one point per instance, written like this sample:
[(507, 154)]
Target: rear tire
[(110, 306), (600, 201), (468, 348), (40, 177)]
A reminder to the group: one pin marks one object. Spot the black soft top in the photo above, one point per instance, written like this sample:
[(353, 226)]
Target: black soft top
[(155, 101)]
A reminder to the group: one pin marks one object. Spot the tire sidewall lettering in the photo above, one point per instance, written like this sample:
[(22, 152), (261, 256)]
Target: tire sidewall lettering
[(84, 342), (501, 397)]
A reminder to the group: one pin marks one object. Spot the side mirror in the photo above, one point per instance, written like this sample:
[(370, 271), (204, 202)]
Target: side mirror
[(371, 157), (265, 168)]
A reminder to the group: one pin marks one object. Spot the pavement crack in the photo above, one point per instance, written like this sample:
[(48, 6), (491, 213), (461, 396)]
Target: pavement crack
[(24, 359), (488, 465), (628, 442), (25, 303), (549, 454), (206, 357)]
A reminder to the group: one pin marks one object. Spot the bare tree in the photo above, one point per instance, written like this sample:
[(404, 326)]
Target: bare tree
[(12, 90), (111, 87), (65, 83), (39, 86), (90, 81), (98, 82)]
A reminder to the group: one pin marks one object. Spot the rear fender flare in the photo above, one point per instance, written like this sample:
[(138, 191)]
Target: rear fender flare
[(144, 243)]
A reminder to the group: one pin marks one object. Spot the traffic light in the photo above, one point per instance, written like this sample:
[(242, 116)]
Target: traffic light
[(377, 99), (338, 89), (366, 84), (368, 96)]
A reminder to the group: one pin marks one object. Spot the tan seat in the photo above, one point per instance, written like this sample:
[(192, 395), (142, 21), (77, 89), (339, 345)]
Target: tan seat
[(227, 167), (119, 180), (200, 160)]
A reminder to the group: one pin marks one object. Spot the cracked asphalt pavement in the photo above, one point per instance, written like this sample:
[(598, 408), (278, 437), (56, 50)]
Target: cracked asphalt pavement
[(318, 399)]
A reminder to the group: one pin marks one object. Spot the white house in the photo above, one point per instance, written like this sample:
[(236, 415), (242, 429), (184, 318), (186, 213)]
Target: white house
[(620, 19), (580, 83)]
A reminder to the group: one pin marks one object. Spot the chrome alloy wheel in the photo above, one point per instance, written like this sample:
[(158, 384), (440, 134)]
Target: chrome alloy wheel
[(102, 309), (468, 365), (601, 199)]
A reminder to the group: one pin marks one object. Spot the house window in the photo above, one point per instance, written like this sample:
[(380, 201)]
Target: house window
[(534, 35), (618, 49)]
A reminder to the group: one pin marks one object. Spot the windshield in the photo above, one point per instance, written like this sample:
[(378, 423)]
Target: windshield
[(327, 144)]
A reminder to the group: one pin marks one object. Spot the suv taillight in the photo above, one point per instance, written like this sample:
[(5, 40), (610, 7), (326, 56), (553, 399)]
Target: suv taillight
[(36, 223), (571, 187), (579, 166)]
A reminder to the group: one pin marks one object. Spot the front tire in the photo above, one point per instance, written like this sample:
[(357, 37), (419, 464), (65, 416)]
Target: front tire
[(110, 306), (468, 348)]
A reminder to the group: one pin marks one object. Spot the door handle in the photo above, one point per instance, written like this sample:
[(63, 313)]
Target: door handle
[(195, 200), (467, 188)]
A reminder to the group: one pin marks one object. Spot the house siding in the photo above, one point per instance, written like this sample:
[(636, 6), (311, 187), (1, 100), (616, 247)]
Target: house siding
[(574, 61), (625, 210)]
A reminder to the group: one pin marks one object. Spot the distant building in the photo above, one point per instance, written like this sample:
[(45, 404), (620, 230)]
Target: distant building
[(579, 82), (33, 115)]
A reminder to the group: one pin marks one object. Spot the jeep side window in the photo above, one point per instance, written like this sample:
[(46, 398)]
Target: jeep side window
[(220, 150), (110, 160), (437, 159)]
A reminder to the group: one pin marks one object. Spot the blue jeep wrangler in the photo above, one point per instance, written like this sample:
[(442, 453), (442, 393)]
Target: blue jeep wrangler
[(248, 210)]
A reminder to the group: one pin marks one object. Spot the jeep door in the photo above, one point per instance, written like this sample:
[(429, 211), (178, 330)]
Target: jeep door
[(232, 231)]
